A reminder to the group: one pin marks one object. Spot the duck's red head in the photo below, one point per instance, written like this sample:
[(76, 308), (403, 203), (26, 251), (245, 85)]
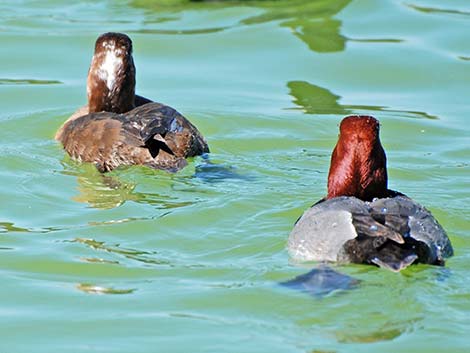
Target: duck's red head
[(358, 163), (111, 78)]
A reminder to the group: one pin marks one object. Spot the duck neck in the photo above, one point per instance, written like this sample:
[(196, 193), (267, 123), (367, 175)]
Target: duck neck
[(358, 168), (111, 82)]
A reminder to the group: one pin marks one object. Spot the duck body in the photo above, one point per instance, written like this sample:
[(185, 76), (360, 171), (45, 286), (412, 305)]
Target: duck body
[(120, 128), (152, 134), (390, 232)]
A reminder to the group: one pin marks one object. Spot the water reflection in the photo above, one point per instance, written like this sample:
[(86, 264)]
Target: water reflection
[(212, 172), (95, 289), (425, 9), (105, 191), (145, 257), (182, 31), (311, 21), (382, 334), (314, 99), (26, 81), (99, 260), (321, 281), (6, 227), (387, 331)]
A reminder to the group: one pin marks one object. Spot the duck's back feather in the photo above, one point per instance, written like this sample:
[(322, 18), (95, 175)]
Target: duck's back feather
[(390, 232), (84, 110), (152, 134)]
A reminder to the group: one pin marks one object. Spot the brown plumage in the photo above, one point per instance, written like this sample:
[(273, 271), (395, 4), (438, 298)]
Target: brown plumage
[(119, 128), (111, 78), (153, 135)]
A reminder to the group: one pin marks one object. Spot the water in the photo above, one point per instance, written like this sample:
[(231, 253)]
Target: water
[(144, 261)]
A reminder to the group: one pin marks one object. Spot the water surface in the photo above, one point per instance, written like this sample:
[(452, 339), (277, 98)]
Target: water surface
[(143, 261)]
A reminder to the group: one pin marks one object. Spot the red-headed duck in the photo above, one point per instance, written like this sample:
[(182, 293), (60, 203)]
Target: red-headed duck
[(361, 220), (119, 128)]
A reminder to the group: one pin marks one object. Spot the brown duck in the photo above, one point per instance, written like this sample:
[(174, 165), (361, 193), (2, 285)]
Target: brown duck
[(119, 128)]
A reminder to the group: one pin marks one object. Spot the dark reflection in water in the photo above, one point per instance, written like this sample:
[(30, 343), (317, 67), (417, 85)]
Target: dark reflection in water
[(311, 21), (104, 191), (437, 10), (145, 257), (321, 281), (382, 334), (378, 40), (211, 172), (181, 31), (387, 331), (99, 260), (95, 289), (317, 100), (8, 81), (322, 36), (6, 227)]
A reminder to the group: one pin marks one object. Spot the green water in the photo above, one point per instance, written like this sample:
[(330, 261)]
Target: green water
[(144, 261)]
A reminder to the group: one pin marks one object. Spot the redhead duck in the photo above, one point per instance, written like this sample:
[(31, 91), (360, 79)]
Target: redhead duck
[(119, 128), (361, 220)]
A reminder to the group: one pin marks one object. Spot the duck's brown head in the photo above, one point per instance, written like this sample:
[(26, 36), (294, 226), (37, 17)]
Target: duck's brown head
[(111, 78), (358, 163)]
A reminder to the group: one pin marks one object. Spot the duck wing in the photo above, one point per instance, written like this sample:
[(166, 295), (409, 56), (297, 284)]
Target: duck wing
[(391, 232), (421, 231), (423, 239), (162, 127)]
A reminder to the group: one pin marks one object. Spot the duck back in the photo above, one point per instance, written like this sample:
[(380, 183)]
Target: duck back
[(390, 232), (152, 134)]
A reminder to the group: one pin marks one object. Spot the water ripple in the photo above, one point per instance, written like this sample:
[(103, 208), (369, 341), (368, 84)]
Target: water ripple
[(133, 254), (181, 31), (28, 81), (96, 289), (438, 10)]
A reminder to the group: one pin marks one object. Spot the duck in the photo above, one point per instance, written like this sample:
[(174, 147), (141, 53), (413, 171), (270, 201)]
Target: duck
[(119, 128), (362, 221)]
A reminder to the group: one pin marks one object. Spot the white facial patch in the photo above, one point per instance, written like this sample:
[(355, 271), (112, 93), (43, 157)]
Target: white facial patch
[(111, 64)]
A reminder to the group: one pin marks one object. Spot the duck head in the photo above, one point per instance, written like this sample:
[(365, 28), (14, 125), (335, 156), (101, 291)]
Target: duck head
[(358, 164), (111, 77)]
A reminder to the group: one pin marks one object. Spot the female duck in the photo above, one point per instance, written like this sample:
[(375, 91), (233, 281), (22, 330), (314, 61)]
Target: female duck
[(361, 220), (119, 128)]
